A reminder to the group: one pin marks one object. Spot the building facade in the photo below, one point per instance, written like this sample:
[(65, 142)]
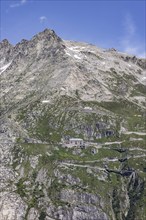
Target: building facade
[(74, 142)]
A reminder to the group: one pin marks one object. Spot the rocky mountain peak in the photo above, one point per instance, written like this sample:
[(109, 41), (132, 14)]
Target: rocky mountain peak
[(5, 50), (47, 35), (21, 46), (5, 44), (42, 45)]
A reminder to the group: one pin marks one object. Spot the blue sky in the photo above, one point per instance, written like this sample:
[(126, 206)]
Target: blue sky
[(107, 24)]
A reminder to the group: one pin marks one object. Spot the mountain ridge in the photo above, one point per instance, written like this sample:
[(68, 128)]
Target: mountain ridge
[(53, 91)]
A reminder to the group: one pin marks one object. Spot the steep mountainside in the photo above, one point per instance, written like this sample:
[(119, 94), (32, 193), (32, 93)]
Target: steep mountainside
[(54, 90)]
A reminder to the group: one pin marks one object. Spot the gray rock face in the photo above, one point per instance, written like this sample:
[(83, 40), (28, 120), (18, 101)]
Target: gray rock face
[(12, 207), (89, 213), (86, 205), (81, 212), (6, 50), (74, 197), (33, 214)]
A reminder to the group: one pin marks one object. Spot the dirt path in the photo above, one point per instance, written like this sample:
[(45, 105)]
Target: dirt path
[(80, 165)]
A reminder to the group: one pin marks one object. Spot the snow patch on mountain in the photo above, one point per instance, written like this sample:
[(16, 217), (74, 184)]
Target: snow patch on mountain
[(46, 101), (3, 68), (77, 57), (75, 52)]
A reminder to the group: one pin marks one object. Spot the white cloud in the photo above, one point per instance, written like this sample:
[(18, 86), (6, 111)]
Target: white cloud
[(129, 42), (23, 1), (14, 5), (18, 4), (42, 19), (129, 25)]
